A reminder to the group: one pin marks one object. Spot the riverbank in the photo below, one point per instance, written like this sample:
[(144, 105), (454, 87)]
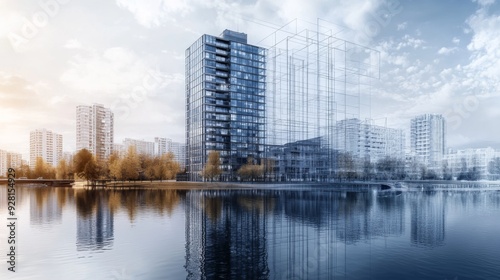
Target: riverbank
[(166, 185), (171, 184), (221, 185)]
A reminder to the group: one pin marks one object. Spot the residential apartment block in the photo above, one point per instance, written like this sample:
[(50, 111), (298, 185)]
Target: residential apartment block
[(367, 141), (428, 139), (95, 130), (47, 145), (141, 146), (468, 159)]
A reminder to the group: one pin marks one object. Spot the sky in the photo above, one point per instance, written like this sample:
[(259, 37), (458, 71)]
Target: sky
[(435, 57)]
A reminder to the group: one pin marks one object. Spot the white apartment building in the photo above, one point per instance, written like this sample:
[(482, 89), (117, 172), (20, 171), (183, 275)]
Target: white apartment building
[(141, 146), (428, 139), (47, 145), (95, 130), (119, 148), (14, 160), (365, 140), (161, 145), (458, 160)]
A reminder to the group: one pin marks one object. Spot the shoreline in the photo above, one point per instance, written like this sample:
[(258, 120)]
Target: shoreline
[(268, 185), (182, 185)]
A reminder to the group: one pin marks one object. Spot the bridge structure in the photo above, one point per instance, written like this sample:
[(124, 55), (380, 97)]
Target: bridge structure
[(47, 182)]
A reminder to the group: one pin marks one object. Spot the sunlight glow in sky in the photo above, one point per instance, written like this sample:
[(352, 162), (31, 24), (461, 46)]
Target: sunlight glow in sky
[(436, 57)]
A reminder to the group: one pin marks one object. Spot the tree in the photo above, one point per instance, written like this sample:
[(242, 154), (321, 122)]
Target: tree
[(250, 170), (346, 166), (159, 169), (269, 169), (212, 167), (131, 165), (447, 173), (86, 166), (149, 167), (494, 168), (62, 170), (43, 169), (367, 169), (469, 173), (92, 171), (172, 167), (115, 166), (81, 159), (24, 171), (413, 171), (391, 168)]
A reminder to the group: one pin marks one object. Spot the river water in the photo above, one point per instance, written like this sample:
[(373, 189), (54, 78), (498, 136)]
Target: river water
[(304, 232)]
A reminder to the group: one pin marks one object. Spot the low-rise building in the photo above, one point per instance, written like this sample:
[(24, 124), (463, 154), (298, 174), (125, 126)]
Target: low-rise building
[(468, 160)]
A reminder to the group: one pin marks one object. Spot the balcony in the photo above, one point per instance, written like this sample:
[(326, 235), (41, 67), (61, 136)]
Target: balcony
[(221, 45), (220, 59), (221, 66)]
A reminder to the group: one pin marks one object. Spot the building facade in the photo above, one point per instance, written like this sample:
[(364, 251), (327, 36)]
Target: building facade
[(47, 145), (95, 130), (141, 146), (160, 145), (367, 141), (225, 102), (428, 139), (14, 160), (467, 160), (179, 151)]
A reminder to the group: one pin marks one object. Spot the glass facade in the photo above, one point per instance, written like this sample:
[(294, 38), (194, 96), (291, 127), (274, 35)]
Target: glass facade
[(225, 102)]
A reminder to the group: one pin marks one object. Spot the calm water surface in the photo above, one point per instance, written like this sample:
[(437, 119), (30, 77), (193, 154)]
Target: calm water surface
[(305, 233)]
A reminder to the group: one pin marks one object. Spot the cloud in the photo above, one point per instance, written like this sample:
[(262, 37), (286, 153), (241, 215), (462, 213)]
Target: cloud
[(484, 50), (484, 2), (111, 71), (73, 44), (26, 105), (447, 51), (16, 92), (154, 13), (402, 26), (455, 40), (409, 41), (356, 15)]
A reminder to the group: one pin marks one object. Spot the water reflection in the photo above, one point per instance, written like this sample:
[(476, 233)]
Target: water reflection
[(428, 218), (305, 234), (95, 220), (45, 207), (310, 233), (226, 235)]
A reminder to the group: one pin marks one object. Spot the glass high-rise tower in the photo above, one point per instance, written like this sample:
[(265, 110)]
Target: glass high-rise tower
[(225, 102)]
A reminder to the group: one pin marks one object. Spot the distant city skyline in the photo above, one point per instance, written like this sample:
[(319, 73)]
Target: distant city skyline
[(436, 57)]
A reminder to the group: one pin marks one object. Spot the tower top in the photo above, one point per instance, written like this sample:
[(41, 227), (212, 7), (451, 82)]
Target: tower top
[(234, 36)]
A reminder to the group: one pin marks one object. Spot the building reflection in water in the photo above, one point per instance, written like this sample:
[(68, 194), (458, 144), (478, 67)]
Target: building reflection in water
[(279, 234), (94, 223), (45, 206), (226, 235), (428, 219), (96, 210)]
